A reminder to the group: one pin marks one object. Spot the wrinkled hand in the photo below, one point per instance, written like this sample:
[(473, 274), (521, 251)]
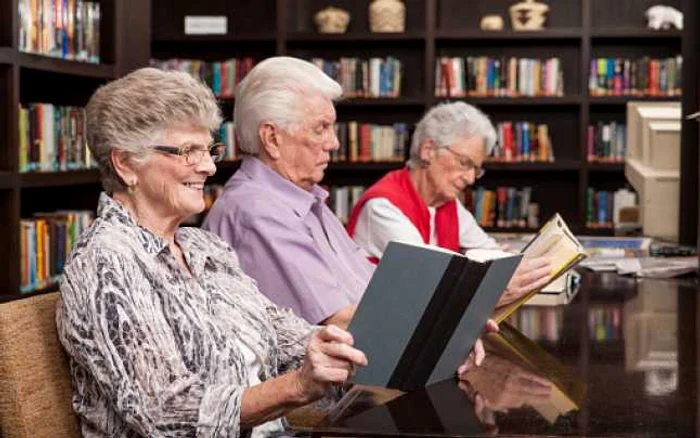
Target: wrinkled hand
[(330, 358), (532, 273), (476, 356)]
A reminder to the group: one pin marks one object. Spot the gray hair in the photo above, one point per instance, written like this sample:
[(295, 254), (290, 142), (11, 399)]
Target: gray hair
[(448, 123), (275, 91), (134, 112)]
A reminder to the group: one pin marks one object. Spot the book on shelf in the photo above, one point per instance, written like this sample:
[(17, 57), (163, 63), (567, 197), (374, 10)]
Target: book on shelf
[(635, 77), (504, 207), (567, 390), (365, 78), (222, 76), (60, 29), (368, 142), (554, 241), (606, 142), (603, 207), (421, 313), (484, 76), (522, 142)]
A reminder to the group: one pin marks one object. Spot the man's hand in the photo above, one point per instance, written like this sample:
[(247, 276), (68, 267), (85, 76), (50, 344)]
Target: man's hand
[(476, 357), (532, 273)]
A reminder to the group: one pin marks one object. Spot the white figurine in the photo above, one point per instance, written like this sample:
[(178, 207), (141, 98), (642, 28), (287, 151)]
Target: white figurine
[(664, 17)]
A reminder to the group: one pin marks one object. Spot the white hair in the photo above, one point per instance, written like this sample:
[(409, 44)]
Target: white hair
[(134, 112), (448, 123), (276, 91)]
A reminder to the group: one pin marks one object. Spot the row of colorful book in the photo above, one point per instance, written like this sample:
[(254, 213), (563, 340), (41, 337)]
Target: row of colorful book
[(376, 77), (498, 77), (522, 141), (603, 207), (45, 243), (604, 323), (66, 29), (367, 142), (636, 77), (52, 138), (504, 207), (606, 142), (342, 199), (539, 323), (227, 136), (223, 77)]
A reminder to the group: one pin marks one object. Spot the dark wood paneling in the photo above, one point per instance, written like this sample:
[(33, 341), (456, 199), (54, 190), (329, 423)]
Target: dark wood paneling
[(8, 10), (243, 16), (9, 242), (74, 68), (131, 42), (460, 14)]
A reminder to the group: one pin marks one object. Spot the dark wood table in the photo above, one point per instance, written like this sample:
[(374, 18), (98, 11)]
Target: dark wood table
[(632, 344)]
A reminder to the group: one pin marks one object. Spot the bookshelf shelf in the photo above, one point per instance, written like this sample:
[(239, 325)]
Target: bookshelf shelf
[(479, 35), (622, 100), (7, 55), (7, 180), (505, 101), (366, 167), (262, 37), (556, 166), (73, 68), (58, 179), (606, 167), (381, 101), (355, 37), (634, 33)]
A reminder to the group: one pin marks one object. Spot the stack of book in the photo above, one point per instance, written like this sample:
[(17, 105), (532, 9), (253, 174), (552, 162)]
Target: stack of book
[(606, 142), (603, 207), (505, 207), (52, 138), (365, 142), (45, 242), (523, 141), (61, 29), (636, 77), (376, 77), (498, 77), (222, 77)]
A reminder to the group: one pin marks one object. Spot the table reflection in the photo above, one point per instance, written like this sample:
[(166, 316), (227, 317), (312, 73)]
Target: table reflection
[(620, 360)]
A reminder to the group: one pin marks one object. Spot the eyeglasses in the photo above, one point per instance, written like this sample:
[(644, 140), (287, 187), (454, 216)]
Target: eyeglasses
[(194, 154), (467, 163)]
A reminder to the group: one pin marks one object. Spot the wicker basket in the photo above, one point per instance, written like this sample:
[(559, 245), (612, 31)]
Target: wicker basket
[(387, 16)]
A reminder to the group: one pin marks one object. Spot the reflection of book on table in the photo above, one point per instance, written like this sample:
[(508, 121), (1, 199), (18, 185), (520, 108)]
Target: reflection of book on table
[(567, 391), (555, 241), (422, 312)]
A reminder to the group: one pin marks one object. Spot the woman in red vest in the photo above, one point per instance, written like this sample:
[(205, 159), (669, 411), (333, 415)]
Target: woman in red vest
[(419, 203)]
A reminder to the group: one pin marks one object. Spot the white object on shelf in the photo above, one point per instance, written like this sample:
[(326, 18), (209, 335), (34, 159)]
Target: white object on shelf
[(206, 25)]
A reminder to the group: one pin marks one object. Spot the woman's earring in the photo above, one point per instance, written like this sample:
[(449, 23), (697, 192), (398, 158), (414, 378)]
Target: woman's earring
[(131, 186)]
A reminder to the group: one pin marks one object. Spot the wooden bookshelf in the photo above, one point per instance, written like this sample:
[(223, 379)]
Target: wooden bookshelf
[(32, 78), (134, 31)]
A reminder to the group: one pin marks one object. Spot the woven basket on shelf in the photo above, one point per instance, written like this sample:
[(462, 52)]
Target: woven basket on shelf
[(387, 16)]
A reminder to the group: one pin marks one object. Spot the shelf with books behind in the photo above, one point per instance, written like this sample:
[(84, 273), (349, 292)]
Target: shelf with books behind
[(469, 35), (409, 37), (636, 33)]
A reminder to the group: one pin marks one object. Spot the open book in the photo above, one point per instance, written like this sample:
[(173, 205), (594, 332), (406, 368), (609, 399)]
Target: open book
[(421, 313), (567, 390), (553, 240)]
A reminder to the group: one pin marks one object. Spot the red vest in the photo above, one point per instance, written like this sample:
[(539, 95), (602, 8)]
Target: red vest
[(397, 187)]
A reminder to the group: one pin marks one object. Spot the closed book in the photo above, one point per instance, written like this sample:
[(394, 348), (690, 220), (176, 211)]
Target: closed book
[(422, 312)]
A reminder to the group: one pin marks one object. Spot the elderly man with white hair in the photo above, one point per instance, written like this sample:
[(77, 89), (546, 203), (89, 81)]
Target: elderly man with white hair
[(272, 211), (419, 202)]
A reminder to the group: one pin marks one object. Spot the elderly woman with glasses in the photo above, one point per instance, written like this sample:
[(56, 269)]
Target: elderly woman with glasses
[(419, 202), (166, 335)]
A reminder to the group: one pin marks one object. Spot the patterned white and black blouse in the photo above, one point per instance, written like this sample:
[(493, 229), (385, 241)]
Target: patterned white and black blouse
[(157, 352)]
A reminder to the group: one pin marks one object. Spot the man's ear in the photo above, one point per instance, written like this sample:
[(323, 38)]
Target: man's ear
[(123, 167), (270, 139)]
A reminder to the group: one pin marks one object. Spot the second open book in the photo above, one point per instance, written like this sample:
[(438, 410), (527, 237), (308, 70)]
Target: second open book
[(554, 241)]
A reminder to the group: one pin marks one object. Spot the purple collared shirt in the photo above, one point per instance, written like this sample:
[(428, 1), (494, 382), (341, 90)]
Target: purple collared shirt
[(290, 242)]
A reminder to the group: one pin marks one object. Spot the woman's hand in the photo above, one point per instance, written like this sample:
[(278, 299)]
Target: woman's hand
[(477, 355), (330, 358), (532, 273)]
